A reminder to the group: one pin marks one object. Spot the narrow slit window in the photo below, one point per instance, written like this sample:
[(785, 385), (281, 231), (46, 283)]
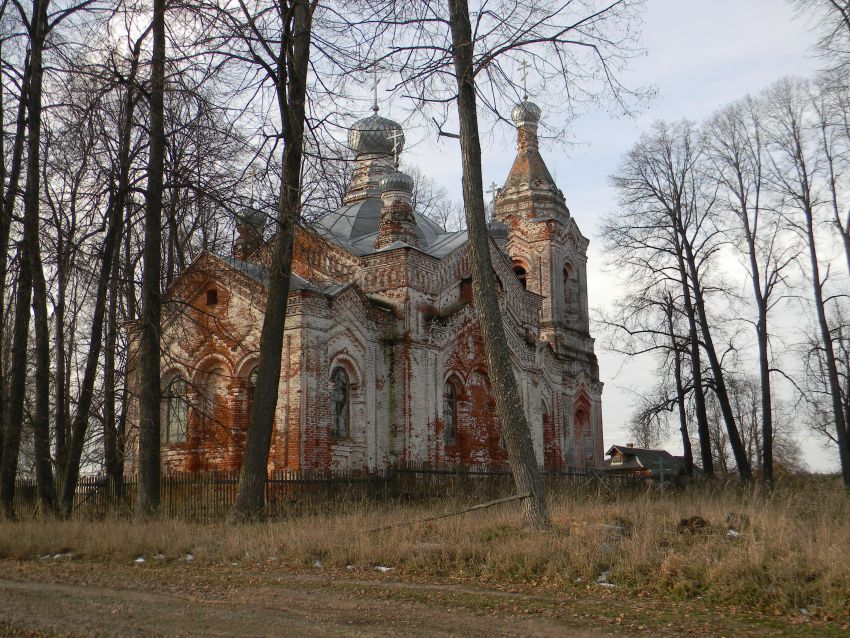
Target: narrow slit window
[(340, 391), (449, 414)]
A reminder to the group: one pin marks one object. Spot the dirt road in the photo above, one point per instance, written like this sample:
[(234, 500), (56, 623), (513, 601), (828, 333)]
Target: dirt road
[(69, 597), (111, 602)]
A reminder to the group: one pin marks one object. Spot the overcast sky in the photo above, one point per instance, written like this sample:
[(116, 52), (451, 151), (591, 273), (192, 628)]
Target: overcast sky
[(700, 56)]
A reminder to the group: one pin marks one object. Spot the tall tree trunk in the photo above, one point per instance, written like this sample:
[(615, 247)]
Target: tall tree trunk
[(81, 417), (32, 222), (60, 387), (10, 193), (292, 71), (17, 384), (835, 390), (113, 439), (696, 372), (112, 451), (680, 390), (761, 337), (3, 233), (515, 430), (147, 503), (714, 361)]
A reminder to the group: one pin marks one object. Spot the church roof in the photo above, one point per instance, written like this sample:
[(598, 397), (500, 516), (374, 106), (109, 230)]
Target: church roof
[(260, 273), (355, 227)]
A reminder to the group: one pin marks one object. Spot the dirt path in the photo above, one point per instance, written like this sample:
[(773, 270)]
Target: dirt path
[(81, 598), (294, 605)]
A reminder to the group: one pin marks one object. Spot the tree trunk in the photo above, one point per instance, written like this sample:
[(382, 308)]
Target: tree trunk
[(113, 440), (147, 503), (81, 418), (680, 391), (112, 450), (60, 387), (835, 390), (696, 373), (10, 193), (291, 93), (41, 412), (717, 370), (517, 435)]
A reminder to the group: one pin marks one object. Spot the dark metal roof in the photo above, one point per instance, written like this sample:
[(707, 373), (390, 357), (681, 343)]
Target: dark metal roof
[(355, 227)]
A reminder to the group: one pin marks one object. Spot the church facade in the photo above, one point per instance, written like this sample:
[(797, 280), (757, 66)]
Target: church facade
[(383, 361)]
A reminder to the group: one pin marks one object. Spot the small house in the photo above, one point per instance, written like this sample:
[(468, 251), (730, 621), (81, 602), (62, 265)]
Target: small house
[(627, 459)]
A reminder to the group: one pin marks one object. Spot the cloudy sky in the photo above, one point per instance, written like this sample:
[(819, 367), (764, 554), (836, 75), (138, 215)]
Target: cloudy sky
[(700, 56)]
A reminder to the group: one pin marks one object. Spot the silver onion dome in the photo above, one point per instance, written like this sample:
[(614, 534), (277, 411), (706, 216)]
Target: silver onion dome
[(397, 181), (251, 215), (526, 112), (374, 134)]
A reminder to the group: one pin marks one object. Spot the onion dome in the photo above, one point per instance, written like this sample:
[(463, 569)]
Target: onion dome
[(375, 134), (397, 181), (526, 112), (252, 216)]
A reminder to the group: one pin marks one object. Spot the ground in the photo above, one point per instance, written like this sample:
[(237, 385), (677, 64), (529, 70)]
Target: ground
[(73, 597)]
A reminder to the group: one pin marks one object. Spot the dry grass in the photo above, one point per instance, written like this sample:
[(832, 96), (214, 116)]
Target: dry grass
[(792, 553)]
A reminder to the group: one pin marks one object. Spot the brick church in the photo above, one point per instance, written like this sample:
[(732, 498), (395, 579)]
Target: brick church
[(382, 358)]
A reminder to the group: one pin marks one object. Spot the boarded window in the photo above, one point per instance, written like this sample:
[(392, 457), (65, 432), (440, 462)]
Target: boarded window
[(340, 400)]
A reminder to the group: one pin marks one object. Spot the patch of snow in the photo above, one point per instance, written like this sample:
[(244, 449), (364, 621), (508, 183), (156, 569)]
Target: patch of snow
[(317, 564), (188, 558), (62, 555), (383, 569), (350, 568), (733, 534), (139, 560), (159, 556)]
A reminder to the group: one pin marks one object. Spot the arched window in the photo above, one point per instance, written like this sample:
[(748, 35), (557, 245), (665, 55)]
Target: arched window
[(449, 413), (176, 411), (519, 271), (570, 289), (340, 395), (251, 387)]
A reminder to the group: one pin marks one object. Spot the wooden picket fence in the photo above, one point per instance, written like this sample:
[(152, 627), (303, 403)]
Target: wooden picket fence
[(209, 496)]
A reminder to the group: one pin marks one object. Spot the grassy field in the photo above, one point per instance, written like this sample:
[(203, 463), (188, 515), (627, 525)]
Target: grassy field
[(786, 556)]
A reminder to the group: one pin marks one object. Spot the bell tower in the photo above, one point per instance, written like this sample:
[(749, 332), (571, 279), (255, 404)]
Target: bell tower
[(544, 243)]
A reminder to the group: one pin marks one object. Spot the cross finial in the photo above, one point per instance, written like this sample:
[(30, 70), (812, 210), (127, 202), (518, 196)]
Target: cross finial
[(375, 87), (523, 71), (395, 136), (494, 189)]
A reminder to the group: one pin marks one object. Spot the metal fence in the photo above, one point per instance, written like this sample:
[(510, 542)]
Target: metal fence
[(210, 495)]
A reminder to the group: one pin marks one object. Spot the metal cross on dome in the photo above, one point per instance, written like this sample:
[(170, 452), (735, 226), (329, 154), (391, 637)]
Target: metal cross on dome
[(494, 189), (375, 87), (395, 136), (523, 71)]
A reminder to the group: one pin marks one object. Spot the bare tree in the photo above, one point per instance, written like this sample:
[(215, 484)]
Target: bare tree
[(735, 149), (796, 174), (147, 502), (831, 22), (275, 39)]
